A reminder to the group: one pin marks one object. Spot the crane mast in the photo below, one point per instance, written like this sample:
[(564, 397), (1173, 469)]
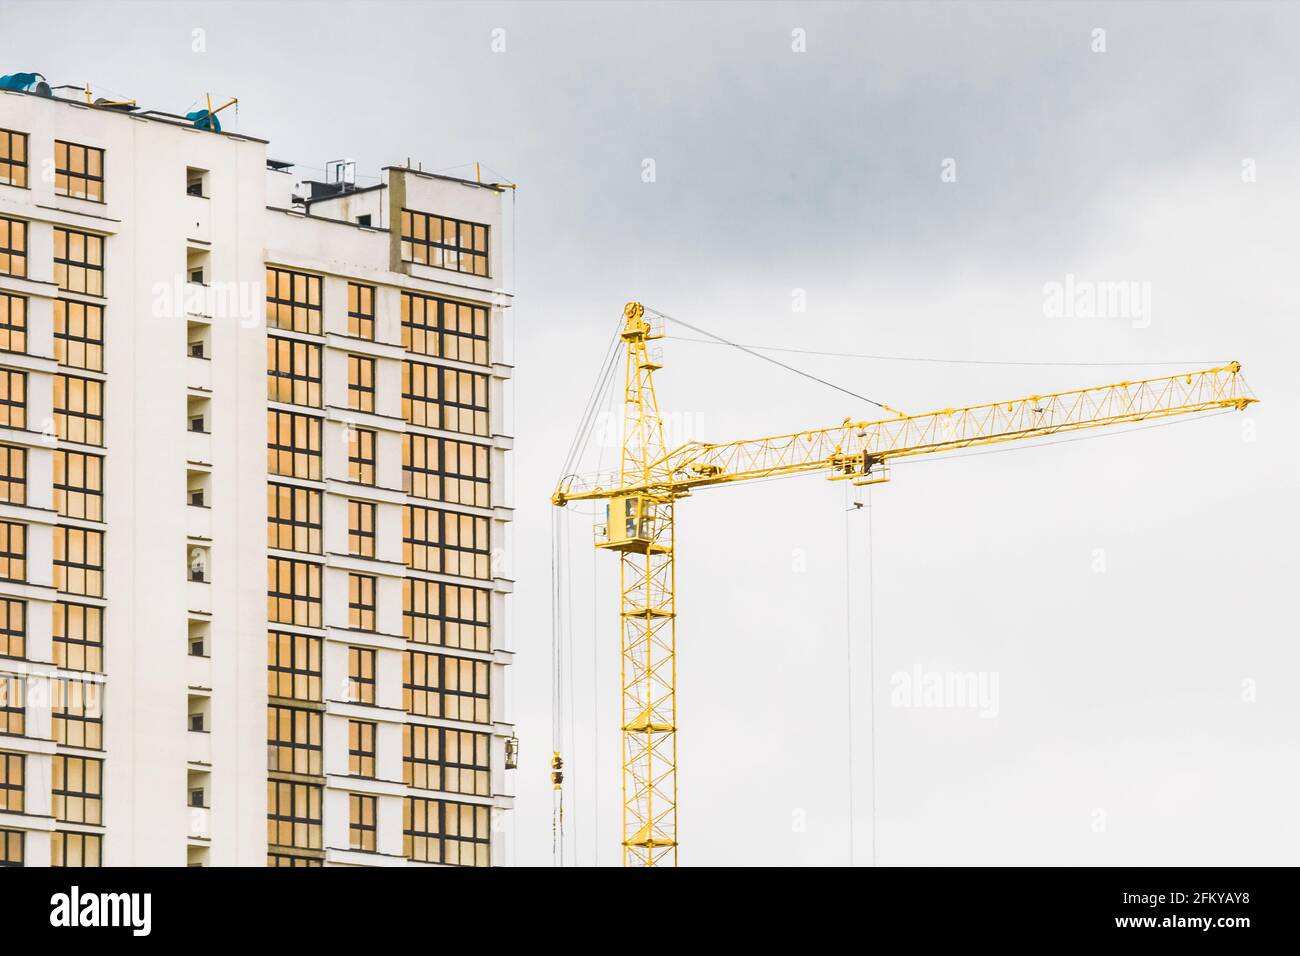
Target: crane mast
[(640, 522)]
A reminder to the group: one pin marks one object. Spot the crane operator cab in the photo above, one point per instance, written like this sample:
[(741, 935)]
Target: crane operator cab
[(629, 525)]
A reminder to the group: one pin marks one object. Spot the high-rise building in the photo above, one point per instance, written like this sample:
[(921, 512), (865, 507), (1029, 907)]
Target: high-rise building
[(254, 503)]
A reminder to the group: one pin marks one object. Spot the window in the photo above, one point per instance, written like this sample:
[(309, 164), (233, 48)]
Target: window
[(13, 716), (452, 615), (293, 301), (361, 383), (435, 397), (438, 831), (444, 243), (284, 859), (293, 740), (361, 602), (361, 748), (13, 322), (13, 628), (445, 329), (78, 261), (13, 398), (79, 409), (361, 311), (294, 665), (437, 758), (13, 551), (361, 528), (79, 335), (453, 688), (361, 675), (77, 706), (293, 446), (293, 372), (420, 394), (293, 817), (79, 561), (78, 171), (293, 594), (78, 789), (13, 158), (361, 822), (361, 455), (13, 246), (293, 518), (464, 402), (11, 841), (13, 769), (446, 470), (445, 542), (79, 485), (76, 849), (13, 474), (78, 637)]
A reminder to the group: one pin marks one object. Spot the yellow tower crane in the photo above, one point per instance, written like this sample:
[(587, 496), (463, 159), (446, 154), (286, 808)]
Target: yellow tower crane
[(640, 521)]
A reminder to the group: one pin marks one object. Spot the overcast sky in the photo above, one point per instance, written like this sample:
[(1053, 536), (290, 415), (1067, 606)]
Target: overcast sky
[(1125, 730)]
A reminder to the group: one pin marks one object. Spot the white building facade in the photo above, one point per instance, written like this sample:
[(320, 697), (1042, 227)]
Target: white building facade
[(254, 504)]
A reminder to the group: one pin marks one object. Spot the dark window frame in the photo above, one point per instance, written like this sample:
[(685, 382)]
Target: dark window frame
[(361, 311), (362, 455), (428, 328), (295, 740), (13, 556), (71, 409), (305, 460), (13, 411), (362, 601), (9, 163), (13, 637), (69, 649), (13, 323), (13, 480), (361, 748), (91, 272), (303, 303), (89, 799), (304, 516), (361, 396), (294, 371), (85, 176), (441, 621), (363, 820), (13, 253), (362, 519), (296, 665), (278, 569), (417, 693), (88, 571), (67, 343), (90, 492), (443, 254), (361, 674), (305, 827), (436, 831)]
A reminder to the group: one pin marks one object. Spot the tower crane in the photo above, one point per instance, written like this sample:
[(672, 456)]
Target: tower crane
[(640, 524)]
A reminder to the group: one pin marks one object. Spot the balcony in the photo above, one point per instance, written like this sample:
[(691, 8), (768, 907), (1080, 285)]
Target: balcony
[(198, 218), (198, 370)]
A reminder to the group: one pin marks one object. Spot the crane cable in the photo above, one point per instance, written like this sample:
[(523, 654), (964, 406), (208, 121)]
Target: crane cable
[(945, 361), (557, 691), (767, 358), (561, 591)]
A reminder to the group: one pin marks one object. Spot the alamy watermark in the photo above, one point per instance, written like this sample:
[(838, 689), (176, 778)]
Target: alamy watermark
[(945, 690), (1077, 298)]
